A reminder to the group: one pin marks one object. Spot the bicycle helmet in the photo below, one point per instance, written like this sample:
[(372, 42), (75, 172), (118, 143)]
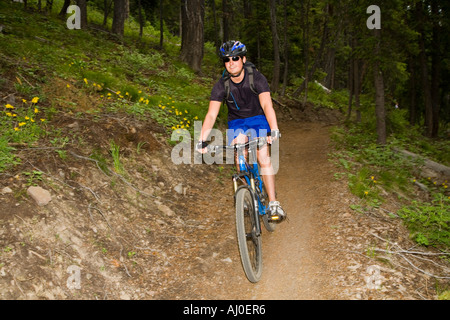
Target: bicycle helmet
[(232, 48)]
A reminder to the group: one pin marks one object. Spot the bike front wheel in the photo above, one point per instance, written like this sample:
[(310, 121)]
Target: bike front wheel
[(249, 237)]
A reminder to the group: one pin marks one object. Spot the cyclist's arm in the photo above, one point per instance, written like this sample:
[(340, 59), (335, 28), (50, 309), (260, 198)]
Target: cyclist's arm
[(210, 119), (266, 104)]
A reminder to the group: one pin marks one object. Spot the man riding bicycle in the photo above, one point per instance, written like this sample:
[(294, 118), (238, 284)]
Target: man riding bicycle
[(247, 95)]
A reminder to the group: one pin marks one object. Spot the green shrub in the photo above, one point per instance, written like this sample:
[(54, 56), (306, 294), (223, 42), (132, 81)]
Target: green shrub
[(429, 223)]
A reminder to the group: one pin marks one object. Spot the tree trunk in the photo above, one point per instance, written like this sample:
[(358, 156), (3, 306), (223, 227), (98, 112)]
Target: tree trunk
[(425, 74), (413, 89), (350, 82), (225, 16), (318, 59), (286, 50), (83, 13), (63, 11), (216, 32), (435, 68), (276, 47), (141, 19), (357, 84), (161, 24), (379, 93), (106, 10), (118, 24), (193, 12)]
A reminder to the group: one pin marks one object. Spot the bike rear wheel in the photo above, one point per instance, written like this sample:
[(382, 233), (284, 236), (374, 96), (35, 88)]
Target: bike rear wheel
[(249, 237)]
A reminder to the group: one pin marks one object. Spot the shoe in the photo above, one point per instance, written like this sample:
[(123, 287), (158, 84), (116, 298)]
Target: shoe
[(276, 213)]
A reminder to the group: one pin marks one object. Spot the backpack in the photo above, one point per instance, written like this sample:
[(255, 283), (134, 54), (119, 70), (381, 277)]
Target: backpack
[(249, 68)]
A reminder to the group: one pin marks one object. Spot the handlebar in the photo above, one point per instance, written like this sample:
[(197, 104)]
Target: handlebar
[(259, 142)]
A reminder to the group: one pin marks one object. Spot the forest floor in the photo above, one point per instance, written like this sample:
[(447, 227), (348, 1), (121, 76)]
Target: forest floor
[(165, 231)]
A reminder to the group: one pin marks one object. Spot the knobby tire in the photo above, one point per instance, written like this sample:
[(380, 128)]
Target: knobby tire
[(250, 245)]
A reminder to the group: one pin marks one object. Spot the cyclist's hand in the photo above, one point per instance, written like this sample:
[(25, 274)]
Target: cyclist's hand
[(201, 147), (274, 135)]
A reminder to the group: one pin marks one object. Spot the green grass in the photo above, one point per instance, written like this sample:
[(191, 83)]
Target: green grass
[(375, 173), (65, 67), (429, 222)]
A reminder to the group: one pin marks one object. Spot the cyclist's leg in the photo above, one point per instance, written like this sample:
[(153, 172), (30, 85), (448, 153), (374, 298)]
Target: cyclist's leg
[(240, 139), (267, 172), (268, 177)]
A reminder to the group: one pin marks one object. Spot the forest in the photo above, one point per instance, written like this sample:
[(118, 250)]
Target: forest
[(93, 92), (394, 51)]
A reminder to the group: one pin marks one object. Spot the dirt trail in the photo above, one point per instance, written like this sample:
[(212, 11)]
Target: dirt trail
[(166, 244), (321, 252), (292, 265)]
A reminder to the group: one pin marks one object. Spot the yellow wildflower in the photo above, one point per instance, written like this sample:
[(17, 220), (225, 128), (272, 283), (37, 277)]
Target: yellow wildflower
[(27, 118), (68, 85), (36, 110), (16, 129), (22, 124), (35, 100), (24, 101), (42, 120), (85, 80), (8, 106)]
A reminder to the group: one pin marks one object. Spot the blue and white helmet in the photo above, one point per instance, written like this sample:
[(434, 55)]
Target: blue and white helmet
[(232, 48)]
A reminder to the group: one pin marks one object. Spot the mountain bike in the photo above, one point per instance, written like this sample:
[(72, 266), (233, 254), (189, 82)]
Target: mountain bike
[(251, 202)]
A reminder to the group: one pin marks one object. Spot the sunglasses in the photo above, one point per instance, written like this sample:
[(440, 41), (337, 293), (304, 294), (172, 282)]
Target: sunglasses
[(233, 58)]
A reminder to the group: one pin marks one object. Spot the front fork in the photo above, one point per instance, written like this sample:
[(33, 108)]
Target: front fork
[(254, 198)]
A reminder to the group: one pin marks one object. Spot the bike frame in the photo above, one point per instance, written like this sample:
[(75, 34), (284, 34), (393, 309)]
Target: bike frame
[(250, 172)]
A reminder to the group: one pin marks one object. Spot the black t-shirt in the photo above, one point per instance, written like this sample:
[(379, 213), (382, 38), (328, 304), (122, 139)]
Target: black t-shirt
[(240, 93)]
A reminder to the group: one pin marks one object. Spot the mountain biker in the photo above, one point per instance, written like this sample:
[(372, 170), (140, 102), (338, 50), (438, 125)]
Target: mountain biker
[(249, 110)]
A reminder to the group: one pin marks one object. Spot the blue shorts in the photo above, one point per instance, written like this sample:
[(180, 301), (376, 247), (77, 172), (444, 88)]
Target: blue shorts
[(256, 126)]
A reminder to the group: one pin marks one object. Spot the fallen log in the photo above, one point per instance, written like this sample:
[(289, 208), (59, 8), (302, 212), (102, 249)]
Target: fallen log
[(438, 170)]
